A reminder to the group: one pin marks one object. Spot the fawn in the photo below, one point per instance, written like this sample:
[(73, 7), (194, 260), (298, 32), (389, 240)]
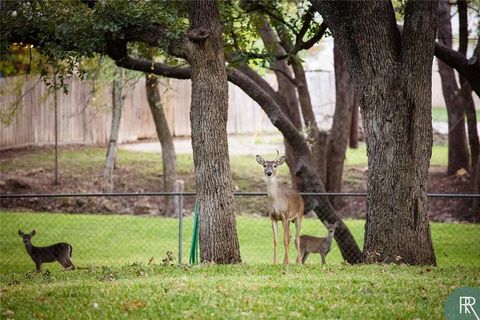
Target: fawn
[(310, 244), (285, 205), (61, 252)]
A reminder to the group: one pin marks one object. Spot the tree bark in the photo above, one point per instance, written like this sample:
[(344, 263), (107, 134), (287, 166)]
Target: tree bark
[(354, 124), (169, 161), (392, 76), (338, 142), (458, 156), (117, 105), (208, 116)]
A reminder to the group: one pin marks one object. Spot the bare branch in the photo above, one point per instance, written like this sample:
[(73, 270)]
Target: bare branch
[(470, 69)]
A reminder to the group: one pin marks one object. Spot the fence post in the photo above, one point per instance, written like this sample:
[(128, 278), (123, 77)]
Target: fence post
[(179, 188)]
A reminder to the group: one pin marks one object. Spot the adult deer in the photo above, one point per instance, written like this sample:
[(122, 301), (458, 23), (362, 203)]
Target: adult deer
[(285, 205)]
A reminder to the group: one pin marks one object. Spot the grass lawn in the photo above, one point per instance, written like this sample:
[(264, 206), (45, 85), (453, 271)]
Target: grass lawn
[(121, 275)]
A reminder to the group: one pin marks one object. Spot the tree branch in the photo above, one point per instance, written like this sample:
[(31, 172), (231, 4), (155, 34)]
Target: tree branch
[(305, 45), (117, 50), (470, 69)]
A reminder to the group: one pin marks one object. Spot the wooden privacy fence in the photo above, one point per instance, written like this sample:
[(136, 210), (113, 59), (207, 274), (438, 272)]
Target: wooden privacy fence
[(84, 115)]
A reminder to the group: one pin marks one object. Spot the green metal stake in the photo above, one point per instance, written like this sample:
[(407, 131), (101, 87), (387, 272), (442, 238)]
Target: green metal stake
[(194, 257)]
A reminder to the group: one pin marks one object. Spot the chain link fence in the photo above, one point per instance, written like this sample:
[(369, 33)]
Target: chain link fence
[(126, 239)]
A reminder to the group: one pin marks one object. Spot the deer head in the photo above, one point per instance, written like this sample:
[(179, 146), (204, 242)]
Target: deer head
[(27, 237), (331, 228), (270, 167)]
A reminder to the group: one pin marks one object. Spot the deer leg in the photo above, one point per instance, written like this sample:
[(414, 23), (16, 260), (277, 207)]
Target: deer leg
[(286, 238), (304, 257), (70, 265), (323, 259), (298, 226), (275, 237), (66, 264), (38, 266)]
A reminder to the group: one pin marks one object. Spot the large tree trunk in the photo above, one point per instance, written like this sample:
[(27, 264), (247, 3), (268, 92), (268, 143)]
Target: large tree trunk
[(338, 142), (458, 156), (168, 149), (117, 105), (208, 116), (392, 76)]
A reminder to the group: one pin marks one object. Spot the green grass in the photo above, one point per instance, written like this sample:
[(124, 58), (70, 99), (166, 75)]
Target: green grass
[(439, 114), (117, 240), (235, 292), (120, 274)]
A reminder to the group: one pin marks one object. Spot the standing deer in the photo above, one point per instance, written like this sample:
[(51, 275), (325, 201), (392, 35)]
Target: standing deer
[(285, 205), (61, 252), (310, 244)]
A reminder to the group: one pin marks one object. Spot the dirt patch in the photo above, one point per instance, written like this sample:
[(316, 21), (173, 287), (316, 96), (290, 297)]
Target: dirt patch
[(131, 179), (441, 208)]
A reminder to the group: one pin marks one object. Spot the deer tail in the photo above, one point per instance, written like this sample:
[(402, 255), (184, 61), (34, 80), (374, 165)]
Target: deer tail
[(70, 249)]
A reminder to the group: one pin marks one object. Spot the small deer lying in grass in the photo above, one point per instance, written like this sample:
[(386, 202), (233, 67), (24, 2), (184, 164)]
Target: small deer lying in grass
[(61, 252), (310, 244)]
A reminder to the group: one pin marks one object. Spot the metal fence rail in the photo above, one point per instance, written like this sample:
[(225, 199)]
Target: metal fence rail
[(148, 238)]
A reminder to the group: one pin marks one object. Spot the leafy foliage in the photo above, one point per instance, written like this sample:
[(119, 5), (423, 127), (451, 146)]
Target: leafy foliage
[(67, 31)]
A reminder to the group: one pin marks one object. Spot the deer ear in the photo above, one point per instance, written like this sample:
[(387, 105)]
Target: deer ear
[(260, 160), (32, 233), (20, 233), (280, 160)]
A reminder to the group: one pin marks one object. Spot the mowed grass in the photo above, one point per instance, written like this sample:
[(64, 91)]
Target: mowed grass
[(120, 274), (108, 240), (235, 292)]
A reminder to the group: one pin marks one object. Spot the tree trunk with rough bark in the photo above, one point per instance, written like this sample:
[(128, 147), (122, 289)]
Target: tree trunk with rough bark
[(354, 124), (392, 76), (118, 99), (338, 142), (208, 116), (458, 155), (166, 140)]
